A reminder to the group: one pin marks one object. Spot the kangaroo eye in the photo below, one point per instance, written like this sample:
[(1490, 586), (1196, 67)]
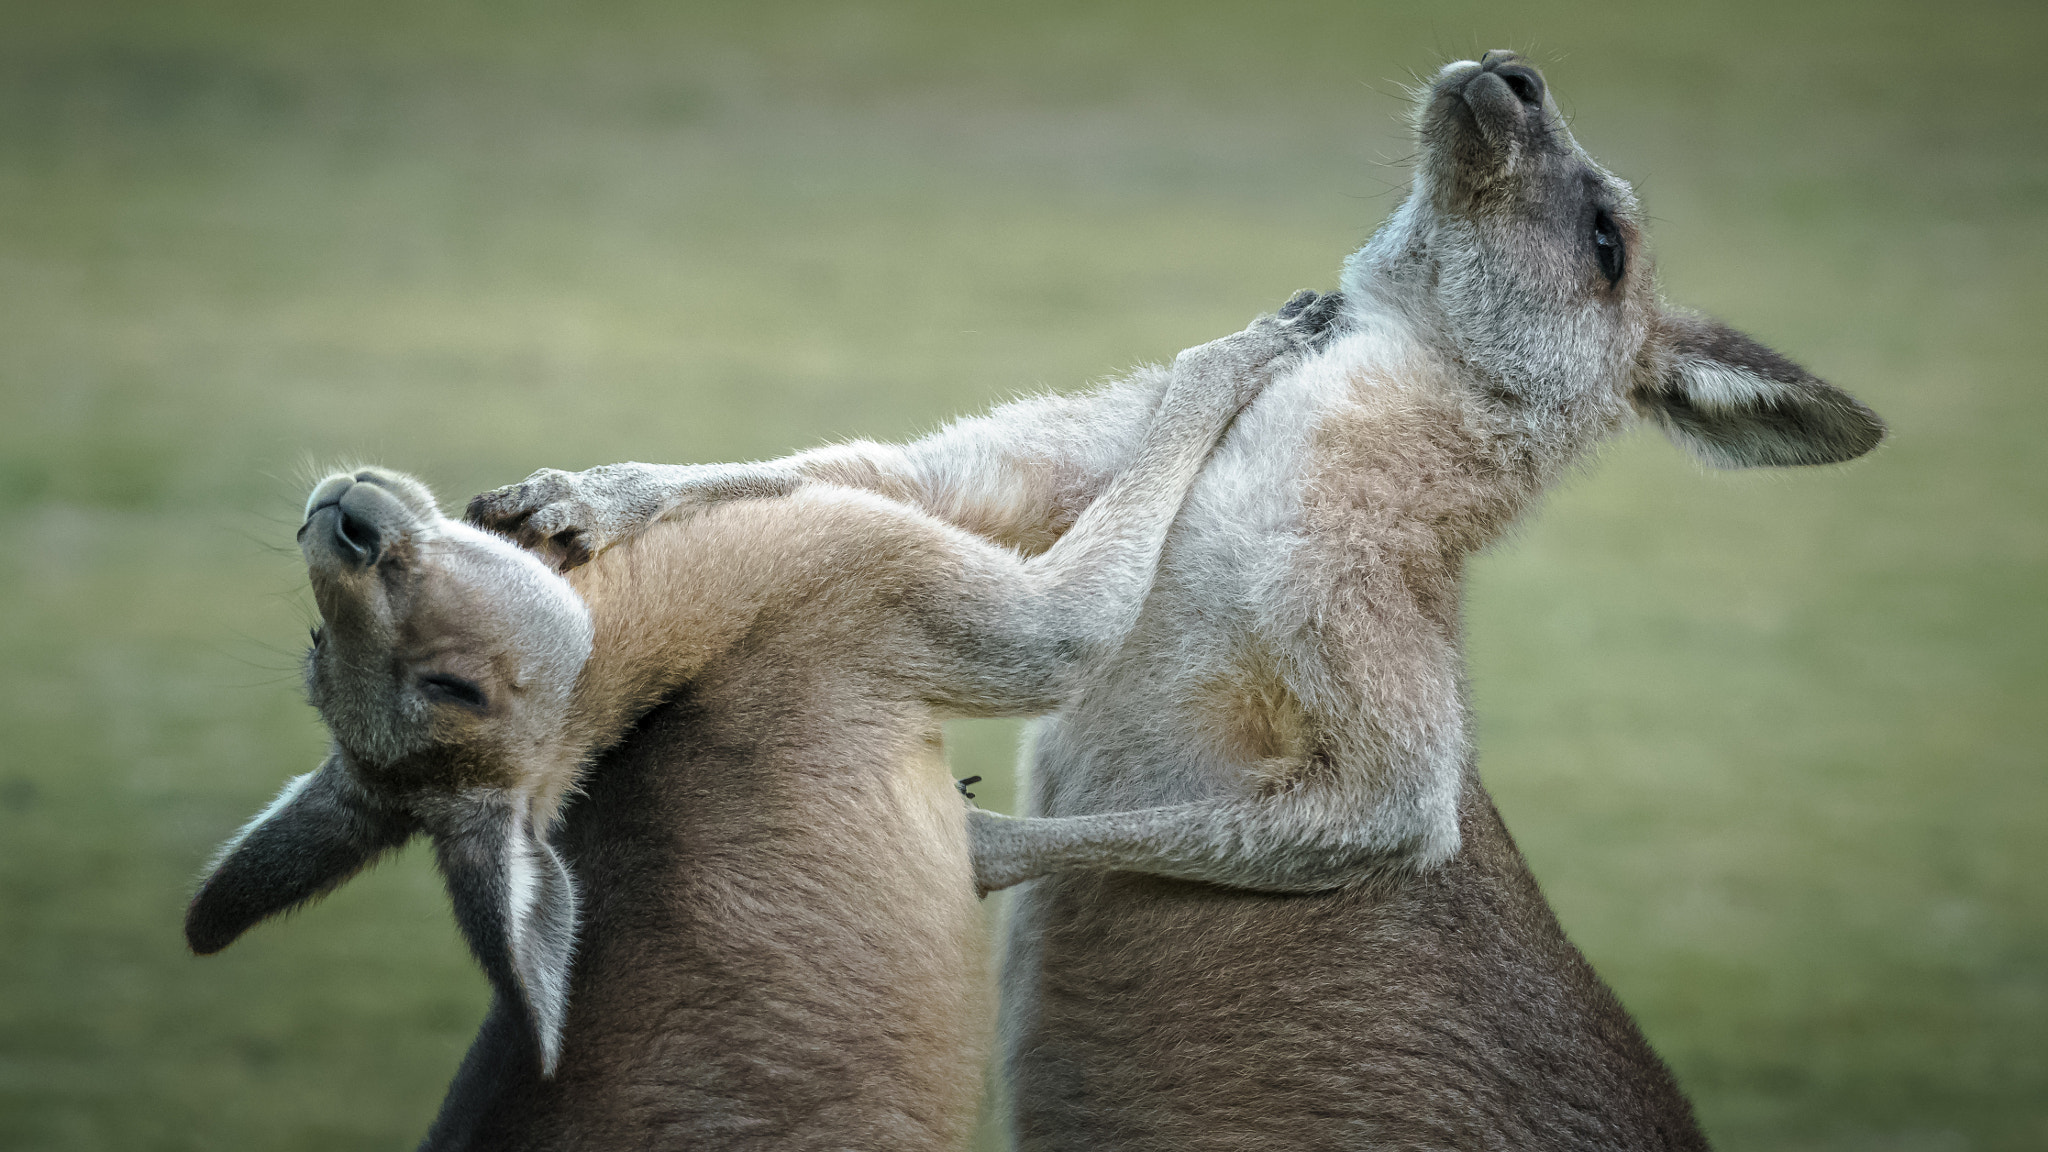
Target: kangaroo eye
[(1608, 248), (445, 689)]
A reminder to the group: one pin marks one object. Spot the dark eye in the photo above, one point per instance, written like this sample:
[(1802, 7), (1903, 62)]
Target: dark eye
[(445, 689), (1608, 248)]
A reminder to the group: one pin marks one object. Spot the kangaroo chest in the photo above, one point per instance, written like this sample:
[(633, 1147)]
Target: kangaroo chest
[(1193, 701)]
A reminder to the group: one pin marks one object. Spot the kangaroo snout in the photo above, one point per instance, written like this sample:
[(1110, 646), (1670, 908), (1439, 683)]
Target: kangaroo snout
[(1504, 96), (350, 518), (1487, 128), (1521, 78)]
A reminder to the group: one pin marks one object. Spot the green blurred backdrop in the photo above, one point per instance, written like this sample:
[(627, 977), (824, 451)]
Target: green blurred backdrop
[(1772, 742)]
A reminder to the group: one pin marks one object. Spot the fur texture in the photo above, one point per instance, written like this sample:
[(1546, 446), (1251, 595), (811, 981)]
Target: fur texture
[(1288, 713), (785, 948)]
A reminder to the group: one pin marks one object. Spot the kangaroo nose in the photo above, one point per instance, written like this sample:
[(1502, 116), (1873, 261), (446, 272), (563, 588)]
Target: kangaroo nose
[(355, 537), (1524, 81), (349, 517), (349, 535)]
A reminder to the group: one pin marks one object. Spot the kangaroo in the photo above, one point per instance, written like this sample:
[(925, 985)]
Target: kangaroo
[(797, 959), (1288, 715)]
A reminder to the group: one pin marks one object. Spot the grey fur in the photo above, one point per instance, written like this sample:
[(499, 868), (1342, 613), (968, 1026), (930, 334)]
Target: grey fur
[(390, 577), (1288, 714)]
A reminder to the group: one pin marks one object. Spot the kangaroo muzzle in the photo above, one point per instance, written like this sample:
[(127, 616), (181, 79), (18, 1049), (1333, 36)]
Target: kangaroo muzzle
[(351, 519)]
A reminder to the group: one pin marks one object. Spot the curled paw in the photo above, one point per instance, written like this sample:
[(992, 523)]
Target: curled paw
[(1310, 317), (546, 513)]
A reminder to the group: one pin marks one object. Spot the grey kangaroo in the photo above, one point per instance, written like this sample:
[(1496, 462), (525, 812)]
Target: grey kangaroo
[(1274, 906), (783, 947)]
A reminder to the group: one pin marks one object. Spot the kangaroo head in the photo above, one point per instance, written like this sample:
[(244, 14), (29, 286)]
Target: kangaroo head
[(1522, 262), (443, 666)]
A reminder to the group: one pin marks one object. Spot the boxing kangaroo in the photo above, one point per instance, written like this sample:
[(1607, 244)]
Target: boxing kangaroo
[(1288, 715)]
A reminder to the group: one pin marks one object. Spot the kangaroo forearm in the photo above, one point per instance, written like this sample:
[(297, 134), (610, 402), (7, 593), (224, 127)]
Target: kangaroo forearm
[(1293, 844), (1319, 834), (1051, 617), (1084, 593), (1027, 627), (633, 493), (886, 469), (1019, 475), (1072, 605)]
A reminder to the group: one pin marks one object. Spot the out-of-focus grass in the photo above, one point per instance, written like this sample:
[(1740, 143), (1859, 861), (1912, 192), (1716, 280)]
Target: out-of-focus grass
[(1773, 743)]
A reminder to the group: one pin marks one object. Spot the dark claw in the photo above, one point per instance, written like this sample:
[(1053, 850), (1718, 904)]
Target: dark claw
[(1296, 303), (482, 512), (1319, 317), (570, 547), (962, 785)]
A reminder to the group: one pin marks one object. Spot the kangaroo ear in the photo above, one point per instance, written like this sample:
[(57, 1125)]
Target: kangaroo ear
[(1737, 404), (516, 904), (321, 830)]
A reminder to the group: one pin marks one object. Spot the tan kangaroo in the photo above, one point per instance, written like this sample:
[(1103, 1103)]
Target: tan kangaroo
[(1288, 715), (798, 961)]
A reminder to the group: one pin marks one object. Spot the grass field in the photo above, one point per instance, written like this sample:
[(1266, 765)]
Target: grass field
[(1773, 743)]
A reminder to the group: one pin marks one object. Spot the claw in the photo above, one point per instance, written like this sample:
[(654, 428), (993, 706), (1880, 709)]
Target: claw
[(509, 524), (962, 785), (1297, 303), (487, 510), (570, 546), (1318, 318)]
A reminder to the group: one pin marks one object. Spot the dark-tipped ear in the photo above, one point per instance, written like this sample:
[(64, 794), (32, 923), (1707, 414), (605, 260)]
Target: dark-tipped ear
[(1737, 404), (516, 904), (321, 830)]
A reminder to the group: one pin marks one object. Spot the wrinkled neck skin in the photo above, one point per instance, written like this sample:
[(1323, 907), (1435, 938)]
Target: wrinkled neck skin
[(1418, 288)]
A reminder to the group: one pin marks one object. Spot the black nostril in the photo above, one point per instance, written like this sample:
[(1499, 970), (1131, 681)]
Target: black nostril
[(358, 537), (1524, 82)]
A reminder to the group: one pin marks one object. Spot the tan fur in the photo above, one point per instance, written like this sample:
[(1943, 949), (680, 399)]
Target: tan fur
[(783, 616)]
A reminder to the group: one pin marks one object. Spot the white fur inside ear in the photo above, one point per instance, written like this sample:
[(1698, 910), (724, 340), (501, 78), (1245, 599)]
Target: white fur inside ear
[(1719, 388), (540, 935), (543, 944), (522, 884)]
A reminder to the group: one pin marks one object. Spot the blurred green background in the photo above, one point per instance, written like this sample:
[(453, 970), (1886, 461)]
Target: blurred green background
[(1773, 743)]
